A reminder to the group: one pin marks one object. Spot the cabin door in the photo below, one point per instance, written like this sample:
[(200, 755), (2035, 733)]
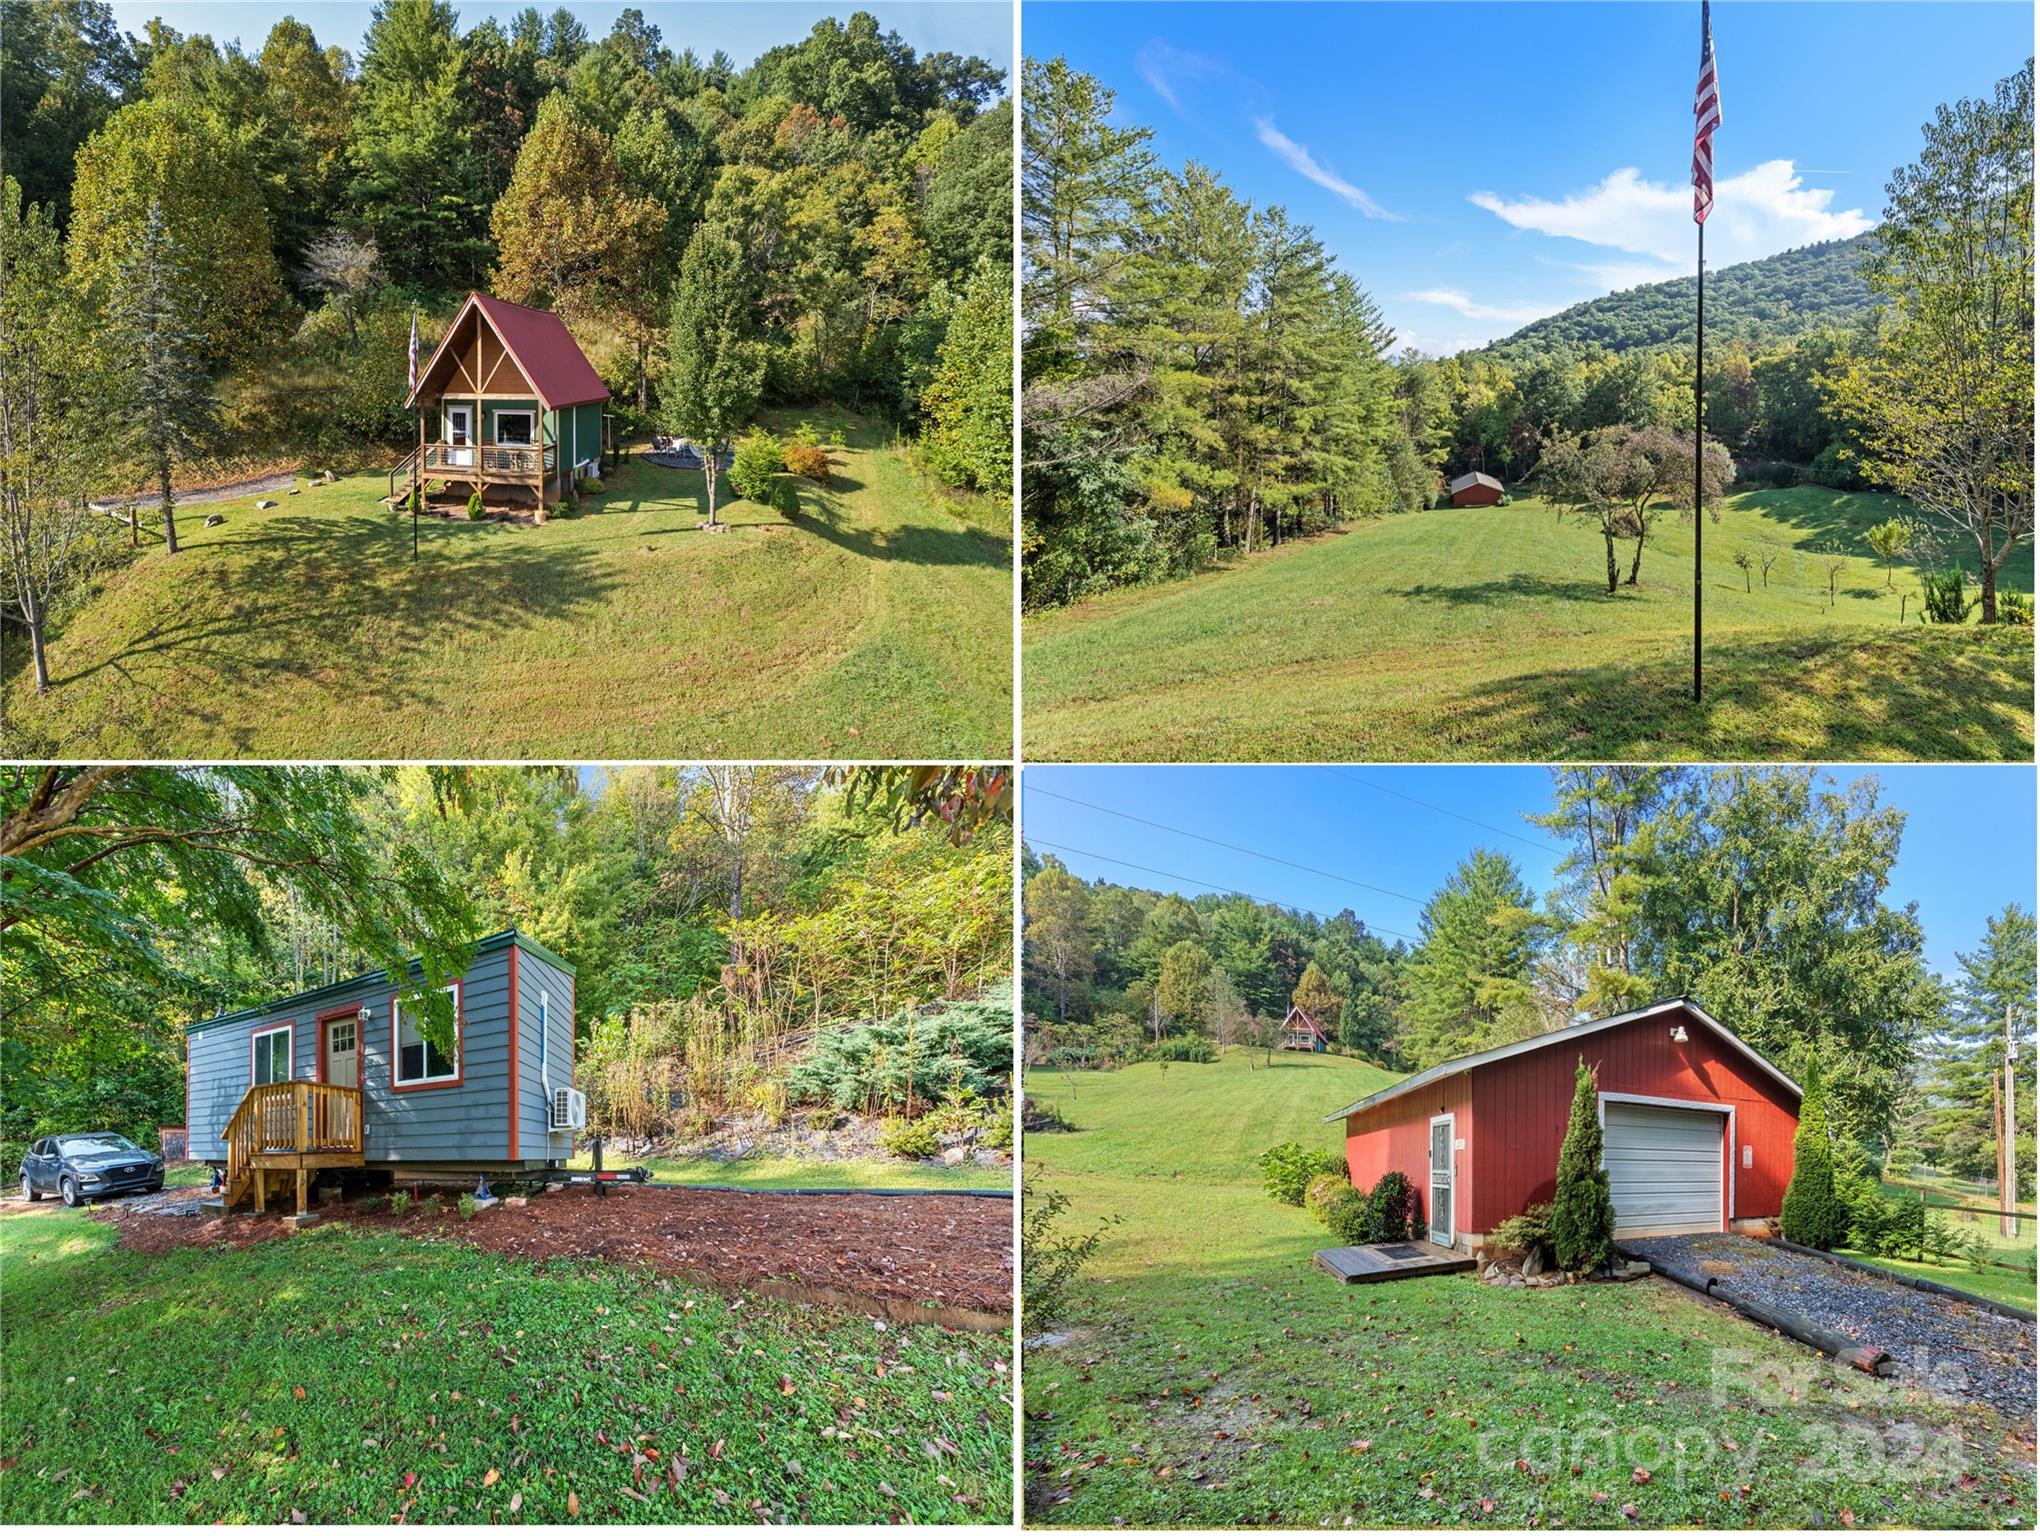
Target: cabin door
[(1441, 1180), (343, 1052), (460, 436)]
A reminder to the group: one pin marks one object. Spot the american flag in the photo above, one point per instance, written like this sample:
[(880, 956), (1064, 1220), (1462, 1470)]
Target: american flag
[(414, 349), (1706, 118)]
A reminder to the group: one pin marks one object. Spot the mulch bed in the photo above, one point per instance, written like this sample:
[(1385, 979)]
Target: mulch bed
[(1947, 1346), (928, 1258)]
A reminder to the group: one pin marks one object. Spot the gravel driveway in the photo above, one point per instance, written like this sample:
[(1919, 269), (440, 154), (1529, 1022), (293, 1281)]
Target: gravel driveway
[(1950, 1347)]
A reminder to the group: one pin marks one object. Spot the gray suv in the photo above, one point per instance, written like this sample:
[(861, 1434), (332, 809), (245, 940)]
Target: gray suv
[(89, 1166)]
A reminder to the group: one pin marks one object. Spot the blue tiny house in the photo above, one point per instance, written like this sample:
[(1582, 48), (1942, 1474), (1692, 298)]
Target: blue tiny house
[(338, 1078)]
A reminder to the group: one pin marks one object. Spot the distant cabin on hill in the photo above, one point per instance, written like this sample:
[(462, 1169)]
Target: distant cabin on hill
[(508, 403), (1475, 490), (1301, 1032)]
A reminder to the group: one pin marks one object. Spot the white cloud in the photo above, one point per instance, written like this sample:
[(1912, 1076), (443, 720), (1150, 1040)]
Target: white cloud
[(1300, 160), (1513, 314), (1757, 212), (1164, 68)]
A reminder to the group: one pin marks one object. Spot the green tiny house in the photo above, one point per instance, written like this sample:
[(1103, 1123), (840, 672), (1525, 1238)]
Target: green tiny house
[(508, 403)]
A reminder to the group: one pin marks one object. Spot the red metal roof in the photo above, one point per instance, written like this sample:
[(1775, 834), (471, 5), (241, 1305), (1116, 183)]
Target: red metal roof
[(546, 353)]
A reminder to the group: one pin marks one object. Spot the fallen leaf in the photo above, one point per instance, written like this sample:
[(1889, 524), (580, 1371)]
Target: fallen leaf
[(491, 1477), (573, 1504), (297, 1392), (516, 1502)]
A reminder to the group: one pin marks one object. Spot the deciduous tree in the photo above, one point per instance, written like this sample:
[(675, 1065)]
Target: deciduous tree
[(717, 366)]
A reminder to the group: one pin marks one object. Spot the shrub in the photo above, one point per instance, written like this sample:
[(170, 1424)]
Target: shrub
[(1392, 1209), (821, 1119), (1525, 1234), (474, 504), (1813, 1213), (902, 1137), (468, 1207), (1832, 468), (808, 460), (588, 485), (1944, 595), (1184, 1048), (1582, 1210), (563, 508), (998, 1131), (1323, 1192), (400, 1201), (1287, 1169), (2015, 608), (756, 460), (1051, 1258), (1768, 474), (911, 1059), (1347, 1219)]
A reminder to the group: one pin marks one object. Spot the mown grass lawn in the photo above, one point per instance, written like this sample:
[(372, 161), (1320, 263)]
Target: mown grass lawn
[(777, 1172), (1488, 634), (1993, 1282), (340, 1377), (1212, 1377), (875, 622)]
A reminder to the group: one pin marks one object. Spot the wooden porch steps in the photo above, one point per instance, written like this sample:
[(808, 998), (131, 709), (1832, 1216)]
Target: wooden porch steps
[(282, 1134)]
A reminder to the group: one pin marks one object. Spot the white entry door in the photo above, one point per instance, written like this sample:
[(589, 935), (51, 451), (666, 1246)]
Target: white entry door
[(460, 452), (1441, 1180), (343, 1052)]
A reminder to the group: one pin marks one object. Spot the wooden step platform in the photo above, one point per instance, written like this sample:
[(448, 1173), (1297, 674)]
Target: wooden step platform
[(1392, 1261)]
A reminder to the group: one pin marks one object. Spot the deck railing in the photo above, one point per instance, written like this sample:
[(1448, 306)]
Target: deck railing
[(509, 461), (288, 1118)]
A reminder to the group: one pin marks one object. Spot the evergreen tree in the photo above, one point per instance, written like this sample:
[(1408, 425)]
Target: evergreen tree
[(165, 392), (1582, 1210), (1995, 978), (967, 408), (1813, 1213), (1469, 981), (718, 367)]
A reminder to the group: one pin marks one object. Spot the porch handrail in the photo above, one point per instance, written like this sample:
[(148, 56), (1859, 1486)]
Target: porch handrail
[(294, 1116)]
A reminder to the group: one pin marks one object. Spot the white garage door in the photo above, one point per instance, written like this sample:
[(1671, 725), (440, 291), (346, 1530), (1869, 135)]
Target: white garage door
[(1664, 1168)]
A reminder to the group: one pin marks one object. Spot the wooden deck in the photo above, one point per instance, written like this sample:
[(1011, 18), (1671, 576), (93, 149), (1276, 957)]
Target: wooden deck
[(283, 1133), (1392, 1261)]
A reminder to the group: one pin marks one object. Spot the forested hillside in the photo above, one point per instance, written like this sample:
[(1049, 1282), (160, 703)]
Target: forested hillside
[(718, 917), (1759, 892), (273, 217), (1757, 303)]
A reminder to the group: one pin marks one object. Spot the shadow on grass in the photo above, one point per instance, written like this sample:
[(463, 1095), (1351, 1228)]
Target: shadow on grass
[(819, 514), (1919, 694), (1520, 587)]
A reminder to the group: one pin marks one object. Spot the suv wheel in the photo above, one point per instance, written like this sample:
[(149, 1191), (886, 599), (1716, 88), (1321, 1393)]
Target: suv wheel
[(68, 1188), (28, 1190)]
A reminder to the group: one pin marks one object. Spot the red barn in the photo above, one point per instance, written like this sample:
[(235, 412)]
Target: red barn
[(1698, 1127), (1475, 490)]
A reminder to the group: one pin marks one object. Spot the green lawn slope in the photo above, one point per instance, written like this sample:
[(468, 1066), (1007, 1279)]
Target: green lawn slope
[(1488, 634), (1209, 1375), (875, 622)]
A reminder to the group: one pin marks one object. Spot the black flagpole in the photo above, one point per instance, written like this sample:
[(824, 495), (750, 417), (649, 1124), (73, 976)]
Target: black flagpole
[(1699, 441), (414, 483)]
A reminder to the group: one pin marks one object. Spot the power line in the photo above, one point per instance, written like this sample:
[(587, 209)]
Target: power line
[(1252, 853), (1442, 811), (1223, 890)]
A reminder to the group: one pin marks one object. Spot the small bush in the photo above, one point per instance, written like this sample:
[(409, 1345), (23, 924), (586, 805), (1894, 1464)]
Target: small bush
[(1945, 596), (998, 1131), (821, 1119), (588, 485), (1323, 1192), (2015, 608), (1051, 1259), (1392, 1209), (1582, 1210), (563, 508), (808, 460), (1347, 1218), (1833, 468), (756, 460), (902, 1137), (468, 1207), (1768, 474), (400, 1201), (474, 504), (1184, 1048), (1286, 1170), (1525, 1234)]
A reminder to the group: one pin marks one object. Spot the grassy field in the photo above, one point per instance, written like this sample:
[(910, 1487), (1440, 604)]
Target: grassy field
[(1212, 1377), (875, 622), (808, 1173), (352, 1378), (2010, 1275), (1487, 633)]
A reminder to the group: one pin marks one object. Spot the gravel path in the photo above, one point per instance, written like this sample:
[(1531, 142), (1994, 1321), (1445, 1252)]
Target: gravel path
[(1950, 1347), (198, 498)]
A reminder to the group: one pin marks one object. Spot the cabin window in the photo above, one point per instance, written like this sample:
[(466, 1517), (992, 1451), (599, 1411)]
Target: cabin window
[(416, 1061), (272, 1052), (513, 428)]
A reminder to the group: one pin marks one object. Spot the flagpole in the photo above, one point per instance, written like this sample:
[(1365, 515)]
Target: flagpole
[(1699, 438)]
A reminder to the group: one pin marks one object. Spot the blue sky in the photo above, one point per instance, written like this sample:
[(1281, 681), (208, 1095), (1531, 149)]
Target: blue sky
[(743, 29), (1363, 827), (1475, 166)]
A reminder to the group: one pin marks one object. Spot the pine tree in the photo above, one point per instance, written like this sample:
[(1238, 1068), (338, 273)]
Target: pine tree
[(168, 398), (1582, 1210), (1469, 981), (718, 366), (1813, 1213), (1970, 1045), (967, 407)]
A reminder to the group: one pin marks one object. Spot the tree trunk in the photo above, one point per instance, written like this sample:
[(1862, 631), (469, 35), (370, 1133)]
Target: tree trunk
[(1989, 591), (33, 613), (169, 506), (1636, 560), (708, 469), (1609, 540), (134, 528), (644, 352)]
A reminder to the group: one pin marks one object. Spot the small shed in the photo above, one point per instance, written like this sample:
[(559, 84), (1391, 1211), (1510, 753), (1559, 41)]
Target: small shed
[(1301, 1032), (1475, 490), (1697, 1127), (508, 401), (339, 1077)]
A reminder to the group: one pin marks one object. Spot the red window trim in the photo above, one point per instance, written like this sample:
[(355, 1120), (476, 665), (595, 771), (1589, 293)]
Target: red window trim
[(288, 1026), (353, 1010), (459, 1047)]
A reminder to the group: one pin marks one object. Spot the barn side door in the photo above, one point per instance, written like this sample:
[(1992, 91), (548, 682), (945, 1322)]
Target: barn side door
[(1442, 1189)]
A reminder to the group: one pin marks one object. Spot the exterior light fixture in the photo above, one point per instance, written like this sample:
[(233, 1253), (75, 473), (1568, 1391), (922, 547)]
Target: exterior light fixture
[(361, 1013), (1679, 1033)]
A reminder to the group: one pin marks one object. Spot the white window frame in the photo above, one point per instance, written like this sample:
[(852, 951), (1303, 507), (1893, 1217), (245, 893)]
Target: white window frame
[(1710, 1106), (261, 1034), (397, 1078), (1451, 1123), (530, 420)]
